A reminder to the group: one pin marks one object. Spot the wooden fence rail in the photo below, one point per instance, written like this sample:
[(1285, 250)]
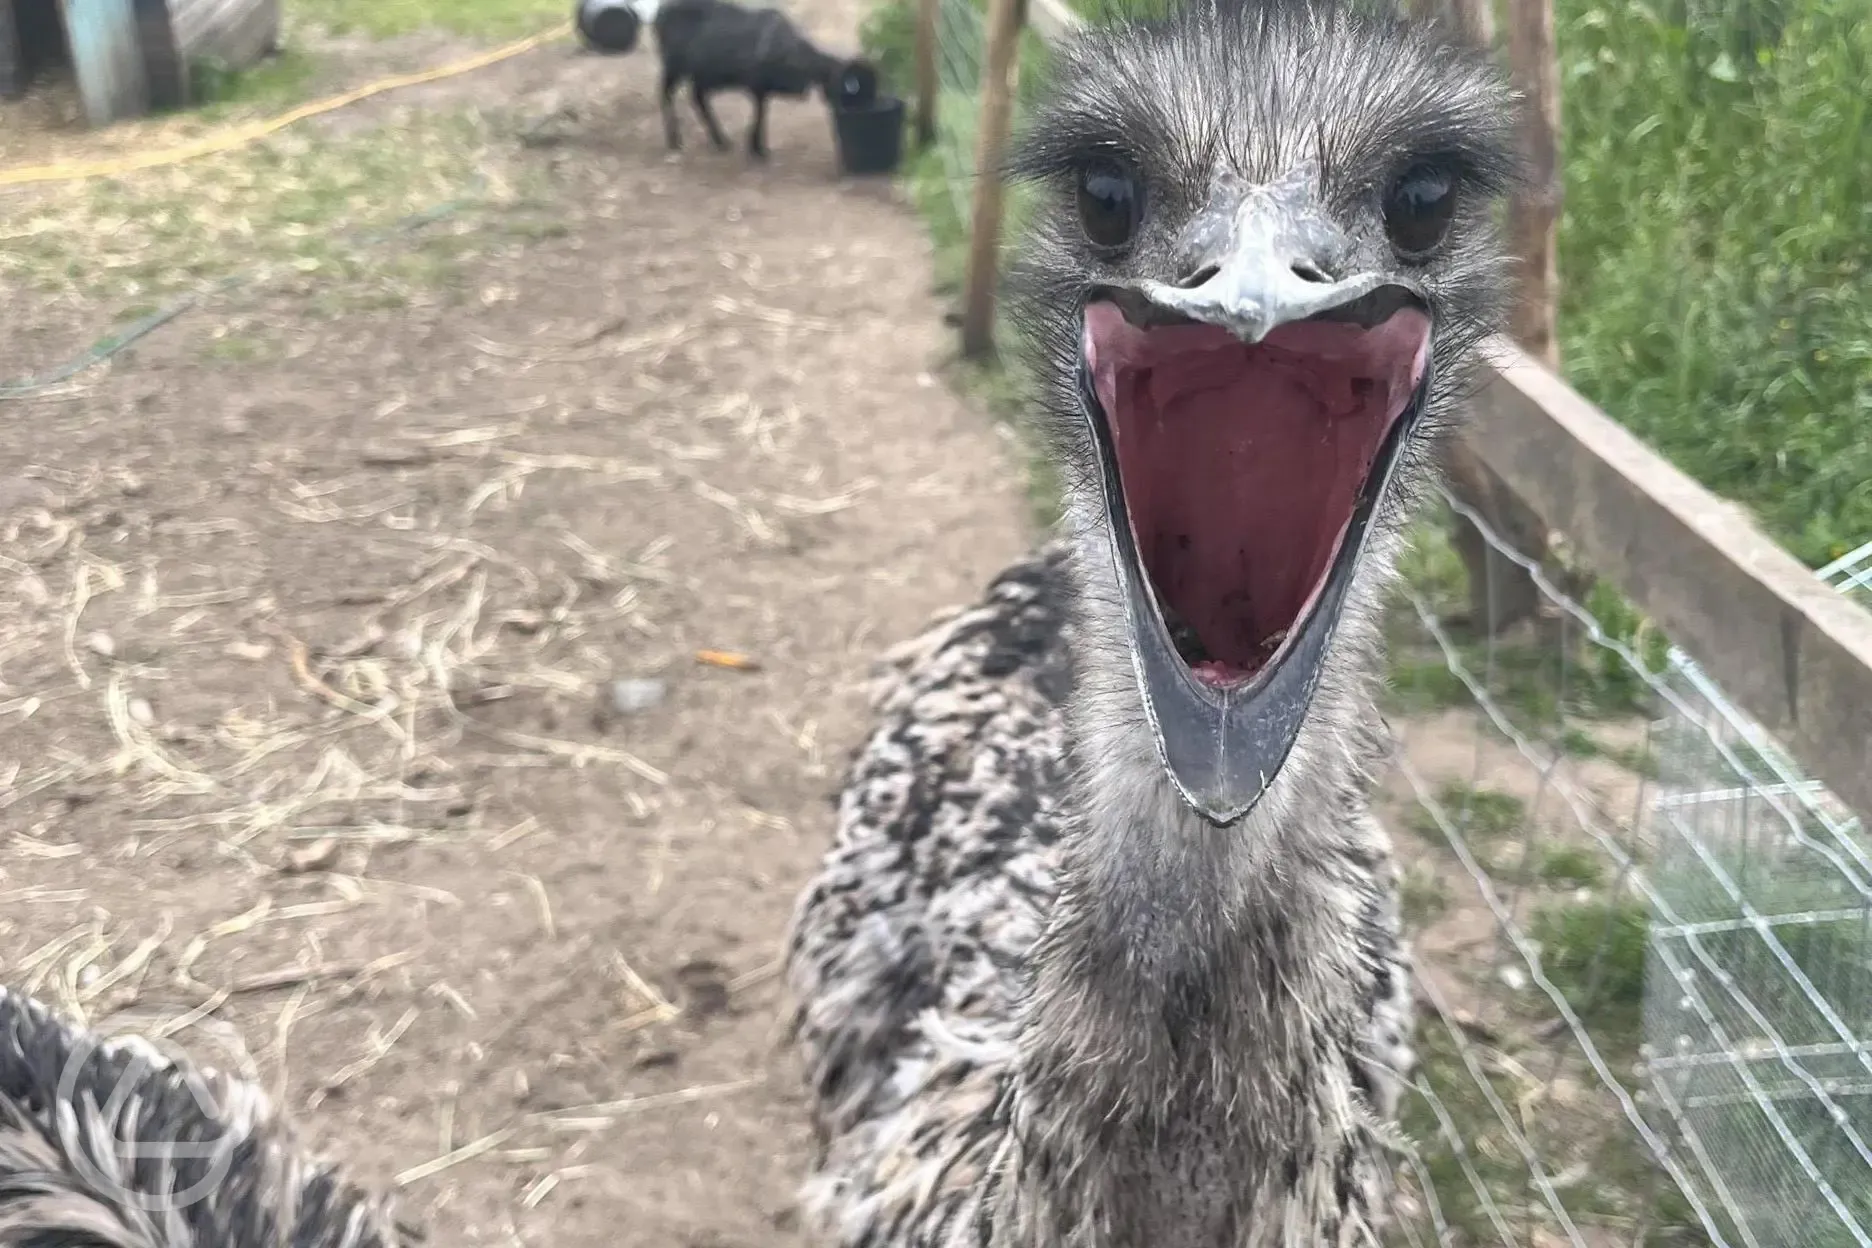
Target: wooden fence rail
[(1791, 651)]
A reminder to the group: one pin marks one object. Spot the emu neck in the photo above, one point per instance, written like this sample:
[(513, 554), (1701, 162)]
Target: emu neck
[(1196, 999)]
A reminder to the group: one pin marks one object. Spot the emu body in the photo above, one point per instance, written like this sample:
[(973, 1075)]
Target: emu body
[(113, 1143), (716, 45), (1105, 953)]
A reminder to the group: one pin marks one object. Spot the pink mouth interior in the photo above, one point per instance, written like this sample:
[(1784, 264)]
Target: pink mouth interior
[(1241, 465)]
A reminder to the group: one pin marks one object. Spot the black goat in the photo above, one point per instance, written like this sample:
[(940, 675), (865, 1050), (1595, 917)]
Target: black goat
[(718, 45)]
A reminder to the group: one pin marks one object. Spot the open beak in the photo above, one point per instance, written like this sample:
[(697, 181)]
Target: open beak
[(1248, 425)]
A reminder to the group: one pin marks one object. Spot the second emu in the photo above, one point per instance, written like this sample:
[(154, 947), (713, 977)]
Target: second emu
[(718, 46)]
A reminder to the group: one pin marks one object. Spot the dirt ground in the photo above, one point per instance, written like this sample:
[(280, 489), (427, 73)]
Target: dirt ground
[(309, 651), (370, 707)]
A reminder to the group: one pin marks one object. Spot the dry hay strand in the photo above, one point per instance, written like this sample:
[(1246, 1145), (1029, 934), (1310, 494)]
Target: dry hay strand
[(576, 1119), (660, 1010), (377, 1046), (658, 343)]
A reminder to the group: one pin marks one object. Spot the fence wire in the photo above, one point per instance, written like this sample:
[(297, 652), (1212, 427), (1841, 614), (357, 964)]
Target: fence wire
[(961, 33), (1851, 574), (1642, 938)]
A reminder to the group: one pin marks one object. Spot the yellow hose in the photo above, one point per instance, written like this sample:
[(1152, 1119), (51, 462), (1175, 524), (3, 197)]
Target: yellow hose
[(238, 136)]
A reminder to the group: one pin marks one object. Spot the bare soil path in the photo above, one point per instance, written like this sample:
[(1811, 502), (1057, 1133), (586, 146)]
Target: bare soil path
[(311, 609)]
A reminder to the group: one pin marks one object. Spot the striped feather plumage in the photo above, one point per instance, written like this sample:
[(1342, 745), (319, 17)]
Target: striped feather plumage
[(109, 1142), (1041, 1001)]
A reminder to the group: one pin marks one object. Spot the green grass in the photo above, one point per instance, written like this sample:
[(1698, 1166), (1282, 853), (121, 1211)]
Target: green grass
[(1716, 248), (1423, 897), (481, 19), (1595, 954), (1441, 1066), (275, 81), (301, 207), (1538, 683), (1421, 684), (1479, 812), (288, 78), (943, 201), (1570, 866)]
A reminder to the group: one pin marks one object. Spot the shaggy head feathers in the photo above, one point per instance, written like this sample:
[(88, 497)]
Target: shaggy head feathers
[(1202, 103), (1220, 93)]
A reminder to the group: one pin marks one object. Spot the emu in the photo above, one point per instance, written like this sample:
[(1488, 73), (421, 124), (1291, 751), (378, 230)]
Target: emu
[(717, 45), (112, 1143), (1106, 949)]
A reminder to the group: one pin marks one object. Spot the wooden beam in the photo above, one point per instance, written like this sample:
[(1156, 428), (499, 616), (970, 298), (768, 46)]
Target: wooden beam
[(1792, 651), (1476, 20), (927, 12), (1534, 214), (1005, 18)]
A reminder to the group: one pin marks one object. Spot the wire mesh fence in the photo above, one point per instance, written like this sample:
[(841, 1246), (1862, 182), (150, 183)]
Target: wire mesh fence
[(1851, 574), (960, 39), (1644, 940), (1642, 937)]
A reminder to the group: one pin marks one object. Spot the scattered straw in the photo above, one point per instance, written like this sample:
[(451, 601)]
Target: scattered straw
[(660, 1010), (539, 1191), (537, 888), (759, 975), (134, 964), (605, 1114), (282, 1034), (377, 1047), (512, 836), (448, 1161), (74, 609)]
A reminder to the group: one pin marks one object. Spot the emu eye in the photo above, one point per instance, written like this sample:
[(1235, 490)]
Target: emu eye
[(1418, 209), (1110, 203)]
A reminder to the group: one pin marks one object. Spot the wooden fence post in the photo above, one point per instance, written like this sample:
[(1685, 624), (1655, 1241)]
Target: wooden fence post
[(1534, 217), (926, 74), (999, 74), (1501, 593), (1476, 19)]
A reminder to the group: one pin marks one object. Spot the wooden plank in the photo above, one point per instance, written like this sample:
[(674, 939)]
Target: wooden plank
[(1793, 652), (926, 84), (1534, 210), (107, 59)]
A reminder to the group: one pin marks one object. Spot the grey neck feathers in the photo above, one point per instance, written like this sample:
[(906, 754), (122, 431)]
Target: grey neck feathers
[(1193, 998)]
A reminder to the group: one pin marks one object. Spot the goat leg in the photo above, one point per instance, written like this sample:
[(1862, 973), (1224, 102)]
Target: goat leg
[(715, 134), (757, 132), (672, 135)]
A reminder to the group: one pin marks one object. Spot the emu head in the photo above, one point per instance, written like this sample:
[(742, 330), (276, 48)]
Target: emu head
[(1264, 253)]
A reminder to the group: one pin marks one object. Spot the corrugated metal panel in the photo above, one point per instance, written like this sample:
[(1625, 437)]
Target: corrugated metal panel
[(12, 73), (107, 59), (162, 65), (230, 33)]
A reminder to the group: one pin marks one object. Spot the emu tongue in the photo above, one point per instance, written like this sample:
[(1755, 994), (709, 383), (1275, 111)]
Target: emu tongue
[(1241, 465)]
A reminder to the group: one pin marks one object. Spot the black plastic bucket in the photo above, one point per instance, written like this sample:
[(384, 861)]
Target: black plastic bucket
[(855, 87), (870, 136), (610, 27)]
